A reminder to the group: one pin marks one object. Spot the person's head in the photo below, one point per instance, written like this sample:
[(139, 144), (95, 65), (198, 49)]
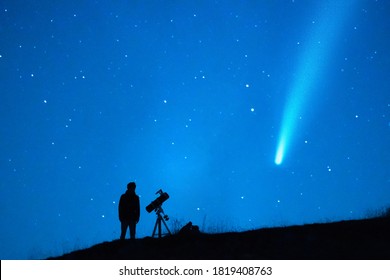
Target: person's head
[(131, 186)]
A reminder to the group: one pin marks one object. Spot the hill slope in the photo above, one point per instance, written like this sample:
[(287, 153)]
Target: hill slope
[(358, 239)]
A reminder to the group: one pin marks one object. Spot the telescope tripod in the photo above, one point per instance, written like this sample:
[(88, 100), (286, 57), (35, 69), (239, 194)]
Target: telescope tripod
[(160, 219)]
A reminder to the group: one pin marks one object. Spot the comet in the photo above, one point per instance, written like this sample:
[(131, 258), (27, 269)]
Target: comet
[(322, 42)]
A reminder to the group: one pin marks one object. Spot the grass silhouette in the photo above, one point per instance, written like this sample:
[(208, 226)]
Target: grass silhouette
[(355, 239)]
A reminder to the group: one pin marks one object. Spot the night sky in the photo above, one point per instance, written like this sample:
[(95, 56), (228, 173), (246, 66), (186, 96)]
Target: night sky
[(248, 114)]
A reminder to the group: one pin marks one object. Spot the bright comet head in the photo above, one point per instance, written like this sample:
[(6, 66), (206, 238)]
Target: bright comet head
[(279, 153), (279, 158)]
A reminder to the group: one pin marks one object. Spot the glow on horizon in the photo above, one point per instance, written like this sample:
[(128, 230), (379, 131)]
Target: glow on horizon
[(309, 72)]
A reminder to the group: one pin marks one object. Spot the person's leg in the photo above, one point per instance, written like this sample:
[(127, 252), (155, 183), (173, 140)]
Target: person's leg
[(124, 226), (132, 226)]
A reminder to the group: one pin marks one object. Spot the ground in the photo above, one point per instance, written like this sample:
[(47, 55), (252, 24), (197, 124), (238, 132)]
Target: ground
[(357, 239)]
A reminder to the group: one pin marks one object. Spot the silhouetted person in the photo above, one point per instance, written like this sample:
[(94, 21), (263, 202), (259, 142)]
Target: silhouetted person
[(129, 211)]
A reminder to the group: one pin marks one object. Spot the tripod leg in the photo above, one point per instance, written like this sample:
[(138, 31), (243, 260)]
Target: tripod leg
[(159, 227), (165, 224), (155, 227)]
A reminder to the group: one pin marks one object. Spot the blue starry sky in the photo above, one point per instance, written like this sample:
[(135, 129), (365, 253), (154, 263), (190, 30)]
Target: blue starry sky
[(193, 97)]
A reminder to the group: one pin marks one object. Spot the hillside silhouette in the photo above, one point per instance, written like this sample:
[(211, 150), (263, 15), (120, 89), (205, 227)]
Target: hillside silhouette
[(366, 239)]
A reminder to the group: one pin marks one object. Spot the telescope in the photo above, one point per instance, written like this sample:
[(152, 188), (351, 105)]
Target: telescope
[(155, 204)]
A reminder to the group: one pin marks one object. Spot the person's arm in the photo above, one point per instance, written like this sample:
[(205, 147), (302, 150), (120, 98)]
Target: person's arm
[(120, 211), (138, 209)]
